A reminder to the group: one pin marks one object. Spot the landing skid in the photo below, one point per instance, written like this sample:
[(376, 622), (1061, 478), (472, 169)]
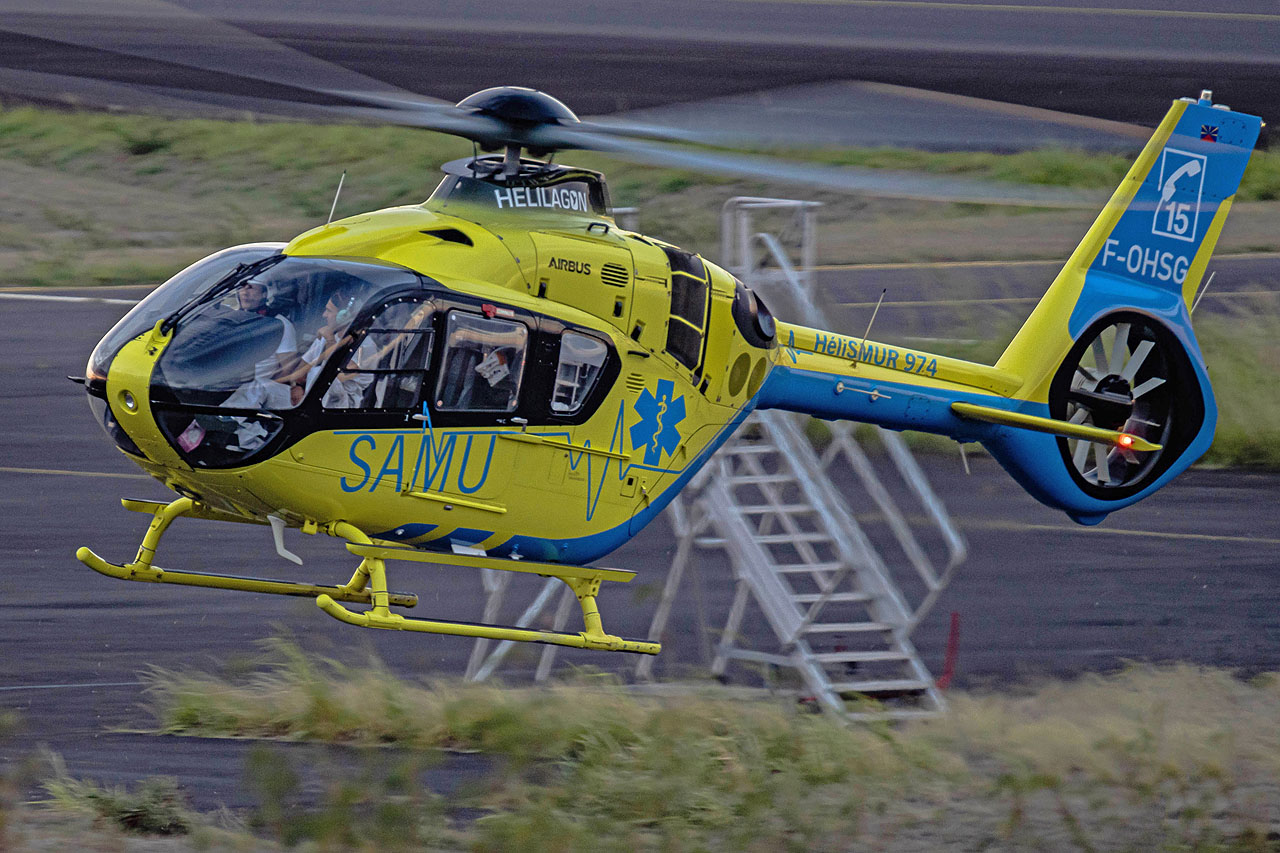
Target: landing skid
[(368, 585)]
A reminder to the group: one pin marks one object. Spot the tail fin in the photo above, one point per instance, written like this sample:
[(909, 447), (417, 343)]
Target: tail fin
[(1110, 345), (1149, 247)]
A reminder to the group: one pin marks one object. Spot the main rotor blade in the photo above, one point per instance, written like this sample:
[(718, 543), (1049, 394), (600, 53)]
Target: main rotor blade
[(163, 31), (639, 130), (879, 182), (76, 91)]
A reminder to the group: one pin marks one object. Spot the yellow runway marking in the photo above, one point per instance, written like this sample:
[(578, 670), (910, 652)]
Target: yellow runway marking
[(1114, 531), (1052, 10), (982, 300), (925, 303), (5, 470), (942, 265)]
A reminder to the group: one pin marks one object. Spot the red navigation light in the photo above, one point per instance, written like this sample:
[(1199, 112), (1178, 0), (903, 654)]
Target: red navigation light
[(1125, 441)]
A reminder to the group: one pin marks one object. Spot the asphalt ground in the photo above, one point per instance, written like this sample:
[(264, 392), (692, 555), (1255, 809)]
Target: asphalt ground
[(1188, 576)]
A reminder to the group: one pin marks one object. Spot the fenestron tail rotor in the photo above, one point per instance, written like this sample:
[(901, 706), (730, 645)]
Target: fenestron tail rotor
[(1120, 376)]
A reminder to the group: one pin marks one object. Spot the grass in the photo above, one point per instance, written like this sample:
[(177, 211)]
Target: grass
[(155, 807), (86, 186), (1243, 354), (1170, 758)]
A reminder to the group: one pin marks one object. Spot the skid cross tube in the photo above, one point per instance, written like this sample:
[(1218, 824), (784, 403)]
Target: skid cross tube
[(368, 585), (141, 568)]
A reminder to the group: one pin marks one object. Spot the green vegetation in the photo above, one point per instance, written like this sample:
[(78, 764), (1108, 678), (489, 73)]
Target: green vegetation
[(1243, 354), (382, 805), (1175, 758), (103, 198), (156, 807)]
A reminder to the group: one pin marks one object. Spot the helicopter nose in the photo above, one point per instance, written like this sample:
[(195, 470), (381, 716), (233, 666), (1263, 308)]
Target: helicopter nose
[(124, 407), (107, 420)]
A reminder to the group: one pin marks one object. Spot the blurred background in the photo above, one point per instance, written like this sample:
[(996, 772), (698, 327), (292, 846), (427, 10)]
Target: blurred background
[(137, 136)]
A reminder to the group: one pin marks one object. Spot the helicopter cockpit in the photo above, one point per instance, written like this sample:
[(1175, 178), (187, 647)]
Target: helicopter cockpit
[(266, 348)]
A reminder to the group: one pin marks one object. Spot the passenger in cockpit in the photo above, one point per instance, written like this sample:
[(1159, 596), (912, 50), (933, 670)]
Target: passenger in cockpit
[(348, 387)]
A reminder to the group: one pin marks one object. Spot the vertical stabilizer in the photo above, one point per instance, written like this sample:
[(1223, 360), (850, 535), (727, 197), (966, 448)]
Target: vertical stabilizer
[(1149, 247)]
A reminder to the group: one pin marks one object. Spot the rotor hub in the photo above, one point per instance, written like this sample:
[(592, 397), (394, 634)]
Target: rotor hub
[(519, 105), (1110, 401)]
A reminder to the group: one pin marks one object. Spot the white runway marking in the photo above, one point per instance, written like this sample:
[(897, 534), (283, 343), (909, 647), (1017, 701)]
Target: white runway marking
[(46, 297), (66, 686), (6, 470)]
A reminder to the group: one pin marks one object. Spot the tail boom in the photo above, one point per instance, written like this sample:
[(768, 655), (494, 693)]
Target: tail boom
[(1103, 396)]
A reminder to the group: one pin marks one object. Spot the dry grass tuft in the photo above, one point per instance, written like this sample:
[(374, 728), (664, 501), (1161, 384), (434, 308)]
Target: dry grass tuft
[(1149, 758)]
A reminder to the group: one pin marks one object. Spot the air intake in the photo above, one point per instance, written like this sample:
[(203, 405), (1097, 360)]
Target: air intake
[(615, 274)]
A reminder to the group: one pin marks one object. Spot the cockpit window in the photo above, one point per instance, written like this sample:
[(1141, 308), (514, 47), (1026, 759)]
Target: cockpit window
[(689, 299), (253, 345), (171, 295), (581, 359), (483, 363), (386, 370)]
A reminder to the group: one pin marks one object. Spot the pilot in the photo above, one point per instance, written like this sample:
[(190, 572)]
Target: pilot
[(266, 389)]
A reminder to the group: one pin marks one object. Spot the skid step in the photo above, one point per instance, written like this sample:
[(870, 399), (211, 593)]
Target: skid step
[(155, 574), (396, 622)]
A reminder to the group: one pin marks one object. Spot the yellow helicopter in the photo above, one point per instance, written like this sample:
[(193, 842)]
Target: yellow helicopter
[(501, 377)]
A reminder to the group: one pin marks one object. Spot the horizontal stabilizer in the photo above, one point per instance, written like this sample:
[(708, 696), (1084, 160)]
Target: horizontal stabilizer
[(1004, 417)]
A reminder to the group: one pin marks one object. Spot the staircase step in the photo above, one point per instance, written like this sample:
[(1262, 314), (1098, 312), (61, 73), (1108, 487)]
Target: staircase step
[(787, 538), (860, 657), (782, 509), (847, 627), (756, 479), (888, 685), (834, 598), (793, 568)]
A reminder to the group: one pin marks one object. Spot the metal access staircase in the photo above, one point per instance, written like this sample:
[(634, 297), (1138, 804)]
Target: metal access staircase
[(799, 554), (836, 608)]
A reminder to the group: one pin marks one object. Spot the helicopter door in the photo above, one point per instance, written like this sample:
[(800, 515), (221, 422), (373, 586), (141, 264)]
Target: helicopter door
[(589, 271), (386, 371)]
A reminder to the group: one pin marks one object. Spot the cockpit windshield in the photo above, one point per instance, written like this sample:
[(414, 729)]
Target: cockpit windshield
[(254, 342), (172, 295)]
